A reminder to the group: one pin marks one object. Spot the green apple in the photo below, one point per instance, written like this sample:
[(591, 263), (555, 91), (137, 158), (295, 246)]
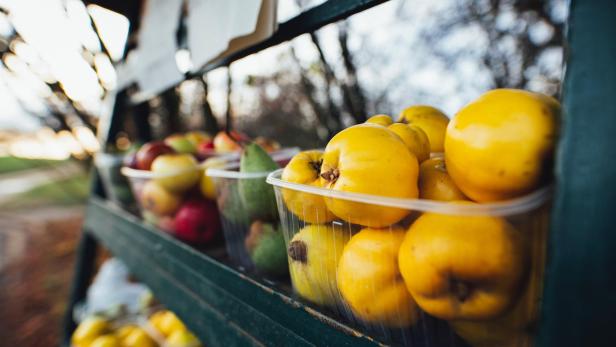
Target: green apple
[(180, 144), (150, 217), (176, 172), (158, 200)]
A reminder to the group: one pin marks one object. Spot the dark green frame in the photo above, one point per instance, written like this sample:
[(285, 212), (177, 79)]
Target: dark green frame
[(580, 287), (222, 305)]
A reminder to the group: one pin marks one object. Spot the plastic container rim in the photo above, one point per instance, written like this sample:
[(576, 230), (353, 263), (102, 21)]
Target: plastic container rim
[(145, 174), (229, 158), (502, 208), (227, 173), (229, 170)]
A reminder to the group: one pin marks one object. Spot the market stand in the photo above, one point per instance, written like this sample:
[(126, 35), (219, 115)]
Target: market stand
[(226, 307)]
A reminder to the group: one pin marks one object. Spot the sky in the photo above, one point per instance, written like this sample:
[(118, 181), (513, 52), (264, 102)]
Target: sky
[(392, 58), (59, 45)]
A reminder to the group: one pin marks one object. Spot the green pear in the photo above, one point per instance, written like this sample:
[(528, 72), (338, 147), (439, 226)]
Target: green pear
[(230, 204), (257, 196), (266, 247)]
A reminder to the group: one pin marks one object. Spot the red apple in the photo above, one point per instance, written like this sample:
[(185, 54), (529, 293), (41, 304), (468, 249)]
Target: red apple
[(197, 221), (150, 151), (206, 145), (205, 149), (225, 143), (130, 160)]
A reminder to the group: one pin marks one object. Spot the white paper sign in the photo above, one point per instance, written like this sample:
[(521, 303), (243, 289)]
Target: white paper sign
[(155, 61), (213, 23)]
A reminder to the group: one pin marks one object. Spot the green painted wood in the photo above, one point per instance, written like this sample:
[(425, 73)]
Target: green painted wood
[(84, 270), (208, 323), (580, 293), (208, 294), (84, 267)]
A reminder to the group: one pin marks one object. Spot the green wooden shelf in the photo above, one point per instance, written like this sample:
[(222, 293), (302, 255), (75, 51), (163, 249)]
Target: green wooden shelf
[(222, 305), (226, 307)]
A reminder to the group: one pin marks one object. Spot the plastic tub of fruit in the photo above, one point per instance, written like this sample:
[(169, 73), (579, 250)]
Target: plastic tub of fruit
[(248, 211), (174, 197), (418, 271)]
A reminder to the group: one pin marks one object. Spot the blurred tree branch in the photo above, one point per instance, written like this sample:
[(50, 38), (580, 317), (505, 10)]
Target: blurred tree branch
[(171, 107), (330, 80), (352, 92), (511, 51), (309, 90), (211, 124)]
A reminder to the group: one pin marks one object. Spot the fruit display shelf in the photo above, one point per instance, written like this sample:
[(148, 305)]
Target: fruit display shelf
[(224, 306)]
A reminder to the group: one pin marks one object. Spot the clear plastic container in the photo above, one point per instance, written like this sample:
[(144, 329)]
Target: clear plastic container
[(114, 183), (189, 214), (444, 274), (249, 215)]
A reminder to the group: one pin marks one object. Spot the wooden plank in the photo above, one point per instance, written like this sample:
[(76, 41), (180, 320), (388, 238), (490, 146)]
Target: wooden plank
[(209, 311), (209, 324), (580, 287), (266, 314), (84, 270)]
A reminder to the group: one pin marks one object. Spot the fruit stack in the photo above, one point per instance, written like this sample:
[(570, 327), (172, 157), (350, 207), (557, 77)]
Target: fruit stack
[(230, 143), (427, 215), (162, 328), (249, 216), (165, 177)]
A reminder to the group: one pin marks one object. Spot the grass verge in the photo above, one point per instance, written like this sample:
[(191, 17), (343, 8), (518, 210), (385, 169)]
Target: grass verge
[(13, 164), (69, 191)]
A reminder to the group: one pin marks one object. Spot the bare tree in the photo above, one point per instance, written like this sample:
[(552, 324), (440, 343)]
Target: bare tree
[(291, 115), (170, 107), (517, 33), (211, 124), (330, 81), (352, 92), (326, 120)]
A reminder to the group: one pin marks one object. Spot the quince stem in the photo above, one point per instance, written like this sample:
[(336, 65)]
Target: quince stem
[(298, 252), (331, 175)]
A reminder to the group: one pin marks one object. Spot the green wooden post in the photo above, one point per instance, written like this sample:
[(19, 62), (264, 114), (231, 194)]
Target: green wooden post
[(84, 270), (87, 250), (580, 294)]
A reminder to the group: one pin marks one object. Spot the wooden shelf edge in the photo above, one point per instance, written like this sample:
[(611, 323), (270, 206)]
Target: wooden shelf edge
[(223, 306)]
